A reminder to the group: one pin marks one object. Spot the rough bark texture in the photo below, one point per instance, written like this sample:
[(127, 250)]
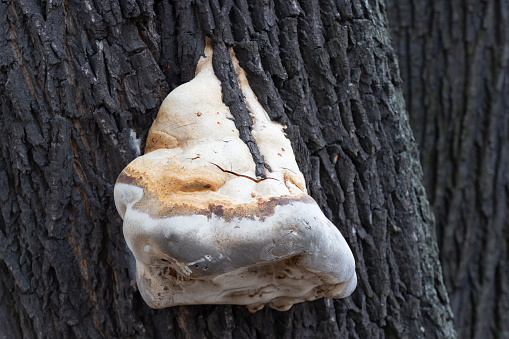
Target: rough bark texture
[(81, 82), (454, 57)]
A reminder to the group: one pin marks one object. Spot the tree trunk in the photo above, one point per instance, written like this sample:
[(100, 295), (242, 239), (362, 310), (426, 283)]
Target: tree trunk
[(81, 83), (454, 61)]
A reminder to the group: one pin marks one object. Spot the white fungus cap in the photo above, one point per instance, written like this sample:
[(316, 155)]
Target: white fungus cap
[(204, 230)]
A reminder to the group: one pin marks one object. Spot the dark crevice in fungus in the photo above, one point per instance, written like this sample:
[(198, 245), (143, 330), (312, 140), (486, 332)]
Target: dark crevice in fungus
[(242, 175)]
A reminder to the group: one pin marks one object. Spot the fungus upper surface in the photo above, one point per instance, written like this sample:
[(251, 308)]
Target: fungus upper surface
[(205, 230)]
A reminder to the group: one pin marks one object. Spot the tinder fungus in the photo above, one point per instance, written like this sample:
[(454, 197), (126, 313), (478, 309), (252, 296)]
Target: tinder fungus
[(205, 230)]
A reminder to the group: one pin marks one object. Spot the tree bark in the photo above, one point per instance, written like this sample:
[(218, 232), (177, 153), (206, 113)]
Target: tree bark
[(454, 61), (81, 84)]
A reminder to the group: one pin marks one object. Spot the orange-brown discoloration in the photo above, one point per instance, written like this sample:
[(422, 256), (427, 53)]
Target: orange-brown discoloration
[(160, 139), (165, 178), (295, 179), (172, 189), (209, 204)]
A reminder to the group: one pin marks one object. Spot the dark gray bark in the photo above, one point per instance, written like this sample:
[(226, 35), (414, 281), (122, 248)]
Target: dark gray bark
[(454, 57), (82, 80)]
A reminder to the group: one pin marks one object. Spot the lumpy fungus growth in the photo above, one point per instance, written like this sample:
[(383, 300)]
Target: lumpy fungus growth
[(204, 229)]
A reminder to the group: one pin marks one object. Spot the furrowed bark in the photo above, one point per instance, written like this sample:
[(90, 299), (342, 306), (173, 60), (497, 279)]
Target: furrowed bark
[(454, 61), (83, 82)]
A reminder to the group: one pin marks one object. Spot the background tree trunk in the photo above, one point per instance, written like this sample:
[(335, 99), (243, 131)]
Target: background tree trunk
[(81, 82), (454, 61)]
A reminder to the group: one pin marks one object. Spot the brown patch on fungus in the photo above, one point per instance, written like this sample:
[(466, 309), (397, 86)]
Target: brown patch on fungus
[(167, 191), (294, 179), (160, 139)]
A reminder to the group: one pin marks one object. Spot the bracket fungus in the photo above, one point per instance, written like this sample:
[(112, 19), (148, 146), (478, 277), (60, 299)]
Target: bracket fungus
[(205, 230)]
